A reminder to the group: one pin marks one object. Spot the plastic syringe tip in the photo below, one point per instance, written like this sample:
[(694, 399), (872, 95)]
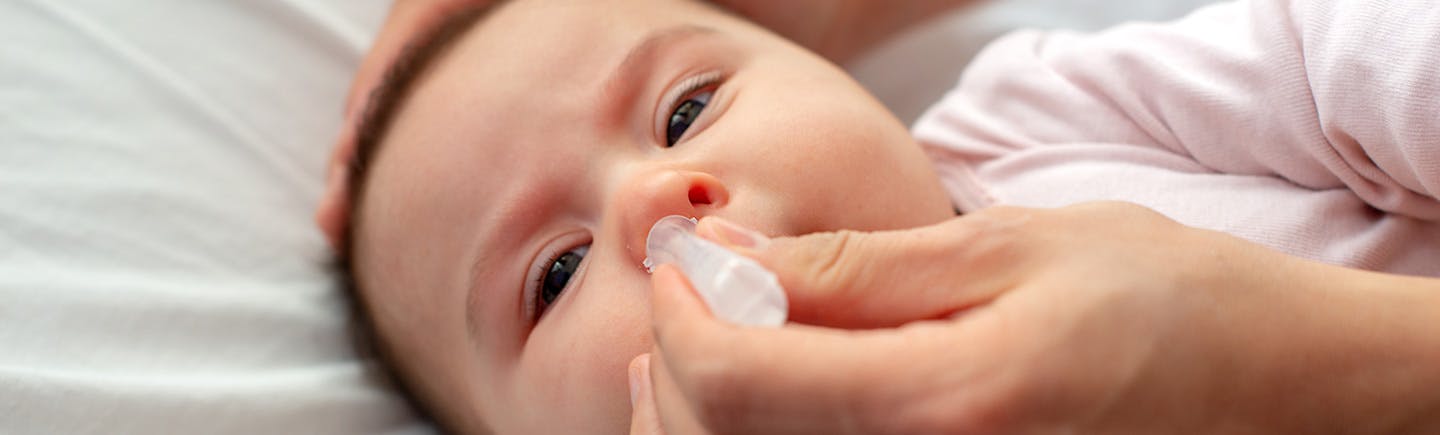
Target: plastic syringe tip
[(735, 287)]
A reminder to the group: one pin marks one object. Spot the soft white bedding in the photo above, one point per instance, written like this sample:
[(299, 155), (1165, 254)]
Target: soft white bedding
[(158, 269), (159, 160)]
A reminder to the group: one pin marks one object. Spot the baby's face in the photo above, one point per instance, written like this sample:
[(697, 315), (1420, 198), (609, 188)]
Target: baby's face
[(501, 235)]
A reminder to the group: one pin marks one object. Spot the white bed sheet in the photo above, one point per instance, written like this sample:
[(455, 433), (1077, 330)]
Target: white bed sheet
[(158, 270), (159, 161)]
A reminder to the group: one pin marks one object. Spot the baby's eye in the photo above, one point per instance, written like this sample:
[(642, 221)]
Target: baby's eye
[(557, 275), (685, 114)]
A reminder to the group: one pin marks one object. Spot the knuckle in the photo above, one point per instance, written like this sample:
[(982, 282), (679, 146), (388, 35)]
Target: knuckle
[(1113, 209), (1128, 215), (1002, 221), (994, 236), (835, 262), (1003, 213)]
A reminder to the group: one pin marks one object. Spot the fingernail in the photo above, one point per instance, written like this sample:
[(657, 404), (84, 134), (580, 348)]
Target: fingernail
[(348, 114), (736, 235), (639, 368)]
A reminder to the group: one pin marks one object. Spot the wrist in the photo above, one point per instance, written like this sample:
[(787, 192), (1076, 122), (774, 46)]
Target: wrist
[(1357, 352)]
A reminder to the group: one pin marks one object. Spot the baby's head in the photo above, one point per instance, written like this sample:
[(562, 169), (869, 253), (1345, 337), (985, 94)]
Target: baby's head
[(498, 213)]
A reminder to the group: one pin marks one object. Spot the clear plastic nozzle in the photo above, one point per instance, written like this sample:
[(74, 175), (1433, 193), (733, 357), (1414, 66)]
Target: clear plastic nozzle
[(736, 288)]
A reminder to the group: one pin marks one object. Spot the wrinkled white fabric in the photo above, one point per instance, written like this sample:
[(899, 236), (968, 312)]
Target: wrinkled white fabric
[(159, 272)]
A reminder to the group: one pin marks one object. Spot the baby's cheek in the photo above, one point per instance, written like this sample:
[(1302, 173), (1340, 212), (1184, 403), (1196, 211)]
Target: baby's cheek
[(582, 367)]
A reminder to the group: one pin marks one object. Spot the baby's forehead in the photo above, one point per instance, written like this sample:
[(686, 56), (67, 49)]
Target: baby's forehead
[(530, 72), (551, 52), (568, 33)]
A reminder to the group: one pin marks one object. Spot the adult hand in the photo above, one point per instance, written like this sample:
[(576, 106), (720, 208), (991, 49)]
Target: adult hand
[(407, 18), (840, 29), (1098, 318)]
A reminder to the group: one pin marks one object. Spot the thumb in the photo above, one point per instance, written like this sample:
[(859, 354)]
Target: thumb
[(851, 279), (644, 418)]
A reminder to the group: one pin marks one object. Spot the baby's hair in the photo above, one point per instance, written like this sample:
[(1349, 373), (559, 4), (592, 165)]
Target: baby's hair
[(381, 107), (386, 100)]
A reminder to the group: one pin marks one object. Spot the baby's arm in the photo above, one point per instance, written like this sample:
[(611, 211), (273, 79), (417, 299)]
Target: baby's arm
[(1322, 94)]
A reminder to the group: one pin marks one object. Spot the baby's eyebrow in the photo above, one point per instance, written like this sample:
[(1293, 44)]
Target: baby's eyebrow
[(641, 54)]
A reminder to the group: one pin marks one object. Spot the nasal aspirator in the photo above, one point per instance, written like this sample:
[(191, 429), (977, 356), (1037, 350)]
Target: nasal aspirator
[(737, 289)]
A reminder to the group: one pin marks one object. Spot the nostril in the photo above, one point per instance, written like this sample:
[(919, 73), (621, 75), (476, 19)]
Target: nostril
[(699, 196)]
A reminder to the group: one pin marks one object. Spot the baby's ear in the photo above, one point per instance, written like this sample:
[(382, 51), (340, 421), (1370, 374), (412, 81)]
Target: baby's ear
[(333, 213)]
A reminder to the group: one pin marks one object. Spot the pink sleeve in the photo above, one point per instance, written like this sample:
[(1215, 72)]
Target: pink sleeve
[(1305, 96)]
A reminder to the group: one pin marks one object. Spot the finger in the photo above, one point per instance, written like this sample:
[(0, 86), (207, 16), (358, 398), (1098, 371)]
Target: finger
[(673, 410), (333, 212), (403, 20), (800, 378), (644, 419), (406, 19), (852, 279)]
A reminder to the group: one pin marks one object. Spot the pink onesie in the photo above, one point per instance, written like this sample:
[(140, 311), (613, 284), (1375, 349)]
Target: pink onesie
[(1310, 126)]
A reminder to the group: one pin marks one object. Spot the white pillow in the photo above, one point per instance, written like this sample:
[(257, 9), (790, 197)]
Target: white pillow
[(159, 272), (159, 161)]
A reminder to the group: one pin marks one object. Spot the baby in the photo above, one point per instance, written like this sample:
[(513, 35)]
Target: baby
[(498, 235), (507, 177)]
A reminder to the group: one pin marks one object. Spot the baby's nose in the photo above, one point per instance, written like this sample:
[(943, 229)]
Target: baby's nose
[(646, 199)]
